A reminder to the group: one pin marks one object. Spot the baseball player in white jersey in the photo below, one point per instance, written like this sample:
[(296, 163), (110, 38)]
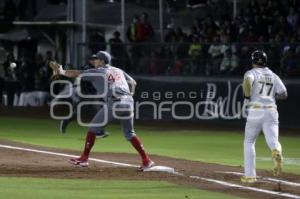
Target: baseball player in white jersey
[(261, 89), (116, 89)]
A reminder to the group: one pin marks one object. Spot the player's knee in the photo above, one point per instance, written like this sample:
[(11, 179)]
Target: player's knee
[(96, 130), (129, 135), (248, 141)]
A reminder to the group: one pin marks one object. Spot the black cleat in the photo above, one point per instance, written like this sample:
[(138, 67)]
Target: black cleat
[(63, 125)]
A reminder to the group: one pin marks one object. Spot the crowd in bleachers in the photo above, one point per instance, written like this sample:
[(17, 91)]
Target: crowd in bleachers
[(27, 82), (215, 45), (218, 45)]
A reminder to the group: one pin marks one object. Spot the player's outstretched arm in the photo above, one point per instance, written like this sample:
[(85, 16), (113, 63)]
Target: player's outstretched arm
[(71, 73), (58, 70)]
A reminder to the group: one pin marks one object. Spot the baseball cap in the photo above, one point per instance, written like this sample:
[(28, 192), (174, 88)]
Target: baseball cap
[(105, 56)]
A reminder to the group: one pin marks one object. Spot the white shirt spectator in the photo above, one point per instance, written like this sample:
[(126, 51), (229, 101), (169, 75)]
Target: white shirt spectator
[(215, 50), (224, 48), (229, 63)]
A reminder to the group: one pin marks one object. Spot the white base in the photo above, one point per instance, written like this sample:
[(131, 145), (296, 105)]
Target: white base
[(161, 169)]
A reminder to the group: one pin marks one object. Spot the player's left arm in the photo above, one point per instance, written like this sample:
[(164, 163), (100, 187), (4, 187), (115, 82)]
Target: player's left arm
[(280, 89), (129, 79), (281, 96), (71, 73), (58, 70), (131, 82)]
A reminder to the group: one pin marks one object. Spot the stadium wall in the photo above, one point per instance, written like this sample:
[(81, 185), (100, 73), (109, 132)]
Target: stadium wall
[(194, 100), (209, 100)]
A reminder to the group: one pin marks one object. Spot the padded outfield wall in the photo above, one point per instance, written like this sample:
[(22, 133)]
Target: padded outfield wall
[(215, 102), (210, 100)]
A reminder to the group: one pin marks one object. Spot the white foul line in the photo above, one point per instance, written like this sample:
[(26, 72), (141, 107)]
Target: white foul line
[(65, 155), (269, 179), (246, 188), (176, 173)]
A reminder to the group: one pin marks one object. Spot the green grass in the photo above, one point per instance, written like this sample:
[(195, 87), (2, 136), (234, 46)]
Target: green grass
[(209, 146), (35, 188)]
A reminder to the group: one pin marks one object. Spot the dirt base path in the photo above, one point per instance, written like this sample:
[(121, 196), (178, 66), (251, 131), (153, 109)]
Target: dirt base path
[(20, 163)]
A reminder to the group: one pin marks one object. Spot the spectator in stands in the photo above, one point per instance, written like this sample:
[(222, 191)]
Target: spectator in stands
[(133, 29), (194, 33), (134, 35), (229, 64), (145, 33), (12, 84), (177, 68), (97, 42), (292, 18), (288, 62), (143, 63), (170, 36), (182, 49), (167, 58), (26, 74), (180, 35), (226, 44), (43, 74), (215, 52), (117, 50), (210, 28), (48, 58), (134, 55), (273, 21), (35, 79), (195, 53), (8, 73), (155, 64)]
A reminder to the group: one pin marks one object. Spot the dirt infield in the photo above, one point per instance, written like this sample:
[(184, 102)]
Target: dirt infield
[(32, 164)]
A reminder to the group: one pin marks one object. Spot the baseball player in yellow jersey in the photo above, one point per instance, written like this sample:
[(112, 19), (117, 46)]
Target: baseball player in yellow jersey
[(261, 89)]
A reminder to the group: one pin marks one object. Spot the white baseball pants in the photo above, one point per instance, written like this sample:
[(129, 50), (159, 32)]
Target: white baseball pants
[(263, 119)]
